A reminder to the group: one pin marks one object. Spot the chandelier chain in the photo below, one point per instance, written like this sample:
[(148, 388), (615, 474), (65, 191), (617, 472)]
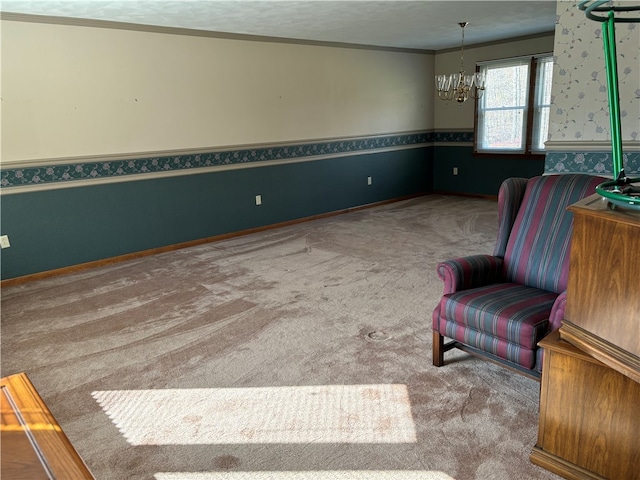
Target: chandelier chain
[(462, 25)]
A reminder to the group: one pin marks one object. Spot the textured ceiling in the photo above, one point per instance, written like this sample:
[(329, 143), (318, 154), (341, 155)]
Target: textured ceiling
[(426, 24)]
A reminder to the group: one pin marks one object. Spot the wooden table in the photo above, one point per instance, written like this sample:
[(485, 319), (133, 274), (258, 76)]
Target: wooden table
[(33, 444)]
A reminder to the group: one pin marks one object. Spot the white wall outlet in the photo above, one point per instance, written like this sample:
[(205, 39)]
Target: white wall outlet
[(258, 199), (4, 241), (455, 170), (369, 181)]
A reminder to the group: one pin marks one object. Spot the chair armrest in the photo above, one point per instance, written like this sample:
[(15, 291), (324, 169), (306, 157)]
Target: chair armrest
[(557, 313), (469, 272), (555, 322)]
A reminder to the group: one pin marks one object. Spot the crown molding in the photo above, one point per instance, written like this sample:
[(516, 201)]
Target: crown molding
[(94, 23)]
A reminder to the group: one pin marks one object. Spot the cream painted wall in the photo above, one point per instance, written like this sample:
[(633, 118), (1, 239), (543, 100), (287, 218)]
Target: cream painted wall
[(70, 91), (451, 115)]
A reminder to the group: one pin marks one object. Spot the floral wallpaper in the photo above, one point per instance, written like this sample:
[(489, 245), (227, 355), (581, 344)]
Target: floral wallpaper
[(579, 103), (580, 109)]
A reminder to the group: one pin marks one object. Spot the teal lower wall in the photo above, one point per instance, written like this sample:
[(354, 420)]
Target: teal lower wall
[(57, 228), (52, 229), (479, 175)]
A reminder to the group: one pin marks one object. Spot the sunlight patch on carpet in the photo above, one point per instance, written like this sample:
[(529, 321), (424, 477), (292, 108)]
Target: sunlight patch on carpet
[(313, 475), (306, 414)]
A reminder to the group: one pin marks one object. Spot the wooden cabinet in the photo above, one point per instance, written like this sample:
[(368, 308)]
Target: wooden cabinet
[(589, 425), (602, 314)]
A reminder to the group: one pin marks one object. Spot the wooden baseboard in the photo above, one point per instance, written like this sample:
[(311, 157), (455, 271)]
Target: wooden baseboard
[(192, 243), (469, 195)]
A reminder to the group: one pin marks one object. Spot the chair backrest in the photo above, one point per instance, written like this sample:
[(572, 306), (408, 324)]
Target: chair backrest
[(537, 251), (509, 200)]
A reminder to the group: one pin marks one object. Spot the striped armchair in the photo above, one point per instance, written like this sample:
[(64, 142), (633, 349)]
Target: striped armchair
[(500, 306)]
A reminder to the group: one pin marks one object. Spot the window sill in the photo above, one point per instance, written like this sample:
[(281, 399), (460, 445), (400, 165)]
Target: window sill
[(515, 156)]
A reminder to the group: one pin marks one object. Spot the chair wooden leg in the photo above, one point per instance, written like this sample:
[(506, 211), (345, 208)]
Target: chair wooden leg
[(438, 349)]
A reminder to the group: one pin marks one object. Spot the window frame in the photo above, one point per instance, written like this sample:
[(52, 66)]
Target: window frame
[(528, 153)]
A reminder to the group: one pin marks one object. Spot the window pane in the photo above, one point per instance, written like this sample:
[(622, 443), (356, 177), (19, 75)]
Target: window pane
[(541, 129), (503, 129), (507, 86), (502, 109), (542, 103)]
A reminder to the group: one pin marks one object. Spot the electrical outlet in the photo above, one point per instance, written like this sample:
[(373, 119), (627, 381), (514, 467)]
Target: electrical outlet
[(258, 199), (455, 170), (369, 181), (4, 241)]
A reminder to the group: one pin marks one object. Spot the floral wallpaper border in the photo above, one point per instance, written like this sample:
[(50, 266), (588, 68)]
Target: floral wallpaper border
[(599, 163), (70, 172)]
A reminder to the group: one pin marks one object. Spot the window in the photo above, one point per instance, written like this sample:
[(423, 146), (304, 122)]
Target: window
[(513, 114)]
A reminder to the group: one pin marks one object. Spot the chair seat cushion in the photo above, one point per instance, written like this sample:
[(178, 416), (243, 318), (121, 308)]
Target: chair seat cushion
[(513, 313)]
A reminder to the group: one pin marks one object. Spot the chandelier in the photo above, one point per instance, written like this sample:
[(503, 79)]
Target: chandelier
[(459, 86)]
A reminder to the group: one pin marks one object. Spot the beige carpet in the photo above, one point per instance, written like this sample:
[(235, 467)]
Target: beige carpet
[(297, 353)]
